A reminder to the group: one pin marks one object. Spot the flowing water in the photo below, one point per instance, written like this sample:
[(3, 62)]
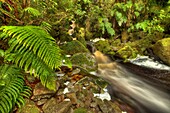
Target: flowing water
[(131, 88)]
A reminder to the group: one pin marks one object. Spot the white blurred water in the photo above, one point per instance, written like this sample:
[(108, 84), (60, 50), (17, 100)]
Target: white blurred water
[(132, 88), (149, 62)]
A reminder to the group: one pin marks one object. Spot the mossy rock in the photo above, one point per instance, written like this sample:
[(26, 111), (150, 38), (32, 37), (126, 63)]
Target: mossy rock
[(162, 50), (29, 107), (80, 110), (85, 61), (116, 42), (105, 47), (127, 52), (73, 47), (141, 45)]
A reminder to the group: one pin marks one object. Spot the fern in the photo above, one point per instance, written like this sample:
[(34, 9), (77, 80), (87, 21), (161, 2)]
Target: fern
[(35, 51), (12, 88), (46, 26), (32, 11)]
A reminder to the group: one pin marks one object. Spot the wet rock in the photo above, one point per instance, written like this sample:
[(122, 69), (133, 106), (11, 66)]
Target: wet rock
[(29, 107), (105, 47), (101, 105), (84, 60), (114, 106), (70, 110), (116, 44), (107, 106), (72, 97), (41, 92), (80, 110), (162, 50), (127, 52), (80, 104), (41, 102), (73, 47), (93, 104), (53, 107), (60, 98), (75, 71)]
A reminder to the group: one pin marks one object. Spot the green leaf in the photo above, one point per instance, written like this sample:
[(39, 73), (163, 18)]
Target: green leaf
[(109, 28), (137, 13), (32, 11), (2, 53), (10, 94), (34, 50)]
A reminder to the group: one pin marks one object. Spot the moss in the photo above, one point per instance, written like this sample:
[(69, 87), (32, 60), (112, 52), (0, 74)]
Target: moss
[(29, 106), (105, 47), (116, 42), (165, 42), (127, 52), (162, 50), (73, 47), (141, 45), (80, 110), (84, 60)]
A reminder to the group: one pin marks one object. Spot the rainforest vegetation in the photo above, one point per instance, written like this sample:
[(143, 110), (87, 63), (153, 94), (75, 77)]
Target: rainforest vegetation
[(32, 34)]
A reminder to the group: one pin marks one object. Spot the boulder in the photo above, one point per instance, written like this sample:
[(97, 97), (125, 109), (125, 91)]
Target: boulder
[(41, 92), (73, 47), (53, 107), (162, 50), (85, 61), (105, 47), (127, 52), (29, 107)]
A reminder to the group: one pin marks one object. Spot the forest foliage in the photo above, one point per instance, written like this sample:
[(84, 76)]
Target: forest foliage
[(31, 29)]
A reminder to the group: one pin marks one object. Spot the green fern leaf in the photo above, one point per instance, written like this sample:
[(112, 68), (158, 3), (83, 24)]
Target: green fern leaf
[(37, 40), (32, 11), (5, 104), (35, 51), (14, 86), (20, 101), (2, 109), (46, 26)]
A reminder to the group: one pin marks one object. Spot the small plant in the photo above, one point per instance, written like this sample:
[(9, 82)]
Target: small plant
[(33, 50), (12, 88)]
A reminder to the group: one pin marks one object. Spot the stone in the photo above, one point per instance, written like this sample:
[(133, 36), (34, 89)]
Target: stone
[(72, 97), (73, 47), (41, 102), (53, 107), (104, 46), (115, 107), (80, 110), (85, 61), (162, 50), (101, 105), (127, 52), (29, 107), (41, 92)]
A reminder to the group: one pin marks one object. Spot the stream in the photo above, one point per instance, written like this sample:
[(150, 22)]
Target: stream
[(143, 94)]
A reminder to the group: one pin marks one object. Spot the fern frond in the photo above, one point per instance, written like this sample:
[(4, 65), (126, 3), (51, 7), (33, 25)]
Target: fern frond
[(10, 94), (32, 11), (34, 38), (35, 51), (29, 62), (46, 26)]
